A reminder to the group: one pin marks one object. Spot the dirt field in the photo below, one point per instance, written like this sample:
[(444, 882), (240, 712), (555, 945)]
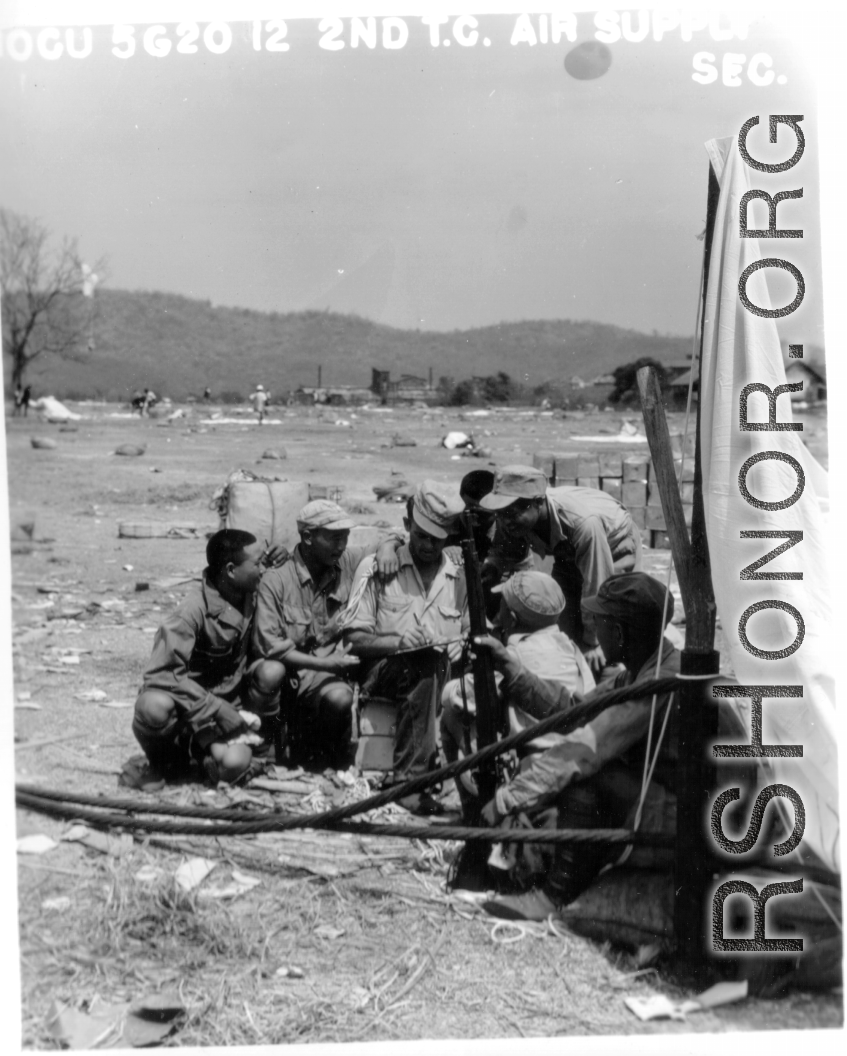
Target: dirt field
[(384, 954)]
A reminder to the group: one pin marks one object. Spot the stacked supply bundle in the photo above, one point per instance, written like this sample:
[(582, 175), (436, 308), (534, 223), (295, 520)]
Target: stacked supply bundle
[(629, 479)]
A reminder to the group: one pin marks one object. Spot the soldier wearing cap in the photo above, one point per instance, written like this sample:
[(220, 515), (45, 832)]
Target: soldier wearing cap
[(530, 605), (408, 631), (296, 629), (594, 773), (590, 536)]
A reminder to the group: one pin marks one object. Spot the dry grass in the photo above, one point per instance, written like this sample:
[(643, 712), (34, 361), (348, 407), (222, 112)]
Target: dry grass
[(385, 954), (381, 979)]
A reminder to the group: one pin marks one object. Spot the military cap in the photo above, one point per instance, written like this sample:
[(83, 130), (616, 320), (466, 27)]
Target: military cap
[(532, 594), (512, 483), (631, 597), (321, 513), (434, 510)]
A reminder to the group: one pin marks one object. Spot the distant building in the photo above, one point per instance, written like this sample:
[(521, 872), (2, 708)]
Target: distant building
[(380, 380), (812, 377), (676, 370), (409, 388), (333, 395)]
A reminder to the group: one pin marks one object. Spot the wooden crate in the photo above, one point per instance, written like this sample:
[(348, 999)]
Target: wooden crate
[(655, 518), (589, 466), (611, 465), (377, 723), (639, 516), (333, 492), (612, 486), (566, 465), (634, 494), (546, 462), (635, 468)]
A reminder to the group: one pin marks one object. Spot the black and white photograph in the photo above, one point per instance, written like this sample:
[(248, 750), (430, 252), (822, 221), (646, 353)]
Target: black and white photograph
[(423, 569)]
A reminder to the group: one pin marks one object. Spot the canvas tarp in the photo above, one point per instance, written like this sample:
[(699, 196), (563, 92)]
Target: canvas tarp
[(740, 347)]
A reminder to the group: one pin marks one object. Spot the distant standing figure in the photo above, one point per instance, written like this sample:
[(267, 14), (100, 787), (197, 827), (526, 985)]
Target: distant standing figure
[(207, 394), (19, 397), (25, 399), (143, 401), (261, 399)]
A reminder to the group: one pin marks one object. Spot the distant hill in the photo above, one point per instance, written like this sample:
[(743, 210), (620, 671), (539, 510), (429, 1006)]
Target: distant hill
[(177, 346)]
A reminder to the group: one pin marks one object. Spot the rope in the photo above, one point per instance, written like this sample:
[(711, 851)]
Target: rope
[(560, 722), (50, 800), (271, 823)]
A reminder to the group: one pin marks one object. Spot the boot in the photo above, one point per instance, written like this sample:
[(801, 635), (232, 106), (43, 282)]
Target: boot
[(532, 905)]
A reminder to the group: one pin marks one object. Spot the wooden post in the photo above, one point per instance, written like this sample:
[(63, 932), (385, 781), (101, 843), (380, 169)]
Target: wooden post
[(695, 776)]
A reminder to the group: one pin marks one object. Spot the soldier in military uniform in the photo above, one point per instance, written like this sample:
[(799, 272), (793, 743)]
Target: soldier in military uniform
[(297, 637), (408, 631)]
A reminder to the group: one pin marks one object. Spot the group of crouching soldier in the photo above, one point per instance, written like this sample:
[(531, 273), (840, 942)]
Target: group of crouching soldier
[(267, 638)]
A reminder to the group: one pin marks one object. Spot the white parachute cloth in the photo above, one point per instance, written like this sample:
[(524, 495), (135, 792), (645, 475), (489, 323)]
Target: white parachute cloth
[(54, 410), (740, 348)]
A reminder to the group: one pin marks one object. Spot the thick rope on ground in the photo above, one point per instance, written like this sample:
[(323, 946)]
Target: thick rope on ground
[(104, 819), (560, 722)]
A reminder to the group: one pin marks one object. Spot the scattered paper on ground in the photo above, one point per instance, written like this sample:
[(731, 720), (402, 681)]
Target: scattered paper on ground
[(194, 872), (61, 902), (36, 844), (103, 842), (119, 1026), (658, 1006), (148, 874)]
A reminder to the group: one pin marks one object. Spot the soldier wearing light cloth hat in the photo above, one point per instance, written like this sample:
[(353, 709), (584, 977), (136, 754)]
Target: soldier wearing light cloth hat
[(593, 776), (590, 536), (531, 603), (408, 631), (296, 631)]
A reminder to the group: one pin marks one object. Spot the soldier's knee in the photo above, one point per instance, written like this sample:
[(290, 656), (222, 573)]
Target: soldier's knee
[(234, 760), (337, 697), (155, 708), (268, 676)]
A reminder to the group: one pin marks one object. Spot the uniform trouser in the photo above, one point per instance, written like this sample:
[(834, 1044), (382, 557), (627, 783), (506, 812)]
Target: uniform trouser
[(169, 743), (319, 709), (453, 744), (167, 746), (565, 870), (414, 682), (569, 578)]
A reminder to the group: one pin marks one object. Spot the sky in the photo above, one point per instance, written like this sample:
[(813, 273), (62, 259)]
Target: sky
[(433, 187)]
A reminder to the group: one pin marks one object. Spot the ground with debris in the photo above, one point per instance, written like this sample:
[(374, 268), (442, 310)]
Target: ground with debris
[(342, 937)]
